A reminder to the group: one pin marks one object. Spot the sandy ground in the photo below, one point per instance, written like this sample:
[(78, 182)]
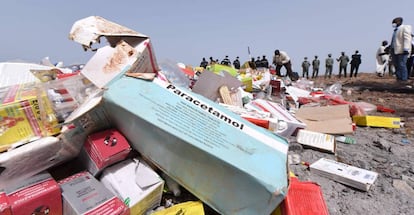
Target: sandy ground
[(389, 152)]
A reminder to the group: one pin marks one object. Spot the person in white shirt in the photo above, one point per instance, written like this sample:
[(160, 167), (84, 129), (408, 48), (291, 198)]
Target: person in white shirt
[(382, 57), (400, 48)]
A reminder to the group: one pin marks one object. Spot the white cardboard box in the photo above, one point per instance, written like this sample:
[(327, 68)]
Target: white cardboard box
[(325, 142), (353, 176), (135, 183)]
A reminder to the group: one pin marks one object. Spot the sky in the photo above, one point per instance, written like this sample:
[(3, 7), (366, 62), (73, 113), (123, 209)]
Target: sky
[(187, 30)]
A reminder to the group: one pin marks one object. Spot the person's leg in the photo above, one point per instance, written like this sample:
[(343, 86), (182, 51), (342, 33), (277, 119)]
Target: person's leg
[(340, 71), (278, 67), (398, 64), (356, 71), (353, 67), (289, 72), (345, 70)]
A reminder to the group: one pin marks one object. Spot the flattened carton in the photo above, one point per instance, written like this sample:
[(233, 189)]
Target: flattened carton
[(229, 163)]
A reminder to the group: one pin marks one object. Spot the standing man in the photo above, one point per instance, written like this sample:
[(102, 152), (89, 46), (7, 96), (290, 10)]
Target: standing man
[(329, 65), (343, 63), (355, 62), (282, 59), (315, 66), (400, 48), (236, 63), (305, 68), (382, 58)]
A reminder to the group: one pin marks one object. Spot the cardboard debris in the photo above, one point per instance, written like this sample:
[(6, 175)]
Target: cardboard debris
[(134, 183), (324, 142), (349, 175), (208, 84), (326, 119), (19, 73)]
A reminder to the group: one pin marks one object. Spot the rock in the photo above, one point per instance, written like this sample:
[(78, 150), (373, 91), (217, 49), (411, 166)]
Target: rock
[(403, 186)]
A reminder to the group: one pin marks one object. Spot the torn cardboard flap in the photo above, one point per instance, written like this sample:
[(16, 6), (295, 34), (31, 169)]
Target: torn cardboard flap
[(129, 51), (327, 119), (88, 31)]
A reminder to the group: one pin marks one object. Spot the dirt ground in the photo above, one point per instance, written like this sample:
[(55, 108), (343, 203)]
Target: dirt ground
[(389, 152)]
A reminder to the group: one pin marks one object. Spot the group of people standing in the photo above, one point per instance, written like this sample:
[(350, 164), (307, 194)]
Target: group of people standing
[(397, 58), (343, 60)]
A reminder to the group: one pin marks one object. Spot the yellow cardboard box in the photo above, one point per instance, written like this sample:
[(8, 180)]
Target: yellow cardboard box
[(377, 121)]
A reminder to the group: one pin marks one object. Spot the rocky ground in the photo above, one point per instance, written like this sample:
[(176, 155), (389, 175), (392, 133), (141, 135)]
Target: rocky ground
[(389, 152)]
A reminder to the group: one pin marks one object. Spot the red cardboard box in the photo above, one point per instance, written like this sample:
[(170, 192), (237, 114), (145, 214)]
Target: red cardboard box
[(83, 194), (275, 84), (304, 198), (5, 208), (39, 194), (104, 148)]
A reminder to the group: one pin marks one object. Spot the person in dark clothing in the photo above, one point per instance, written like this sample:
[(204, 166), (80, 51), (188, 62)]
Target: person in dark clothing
[(226, 61), (204, 63), (252, 63), (258, 63), (236, 63), (212, 61), (265, 63), (315, 65), (410, 62), (355, 62)]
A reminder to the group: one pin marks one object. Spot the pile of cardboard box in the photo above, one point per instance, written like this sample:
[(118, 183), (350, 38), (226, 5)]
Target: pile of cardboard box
[(217, 139)]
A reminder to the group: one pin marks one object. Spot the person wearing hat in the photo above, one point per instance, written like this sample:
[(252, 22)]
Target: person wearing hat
[(305, 67), (355, 62), (282, 59), (236, 63), (400, 47), (329, 61)]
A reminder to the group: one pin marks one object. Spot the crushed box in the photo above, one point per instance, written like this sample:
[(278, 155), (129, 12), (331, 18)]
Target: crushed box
[(135, 183)]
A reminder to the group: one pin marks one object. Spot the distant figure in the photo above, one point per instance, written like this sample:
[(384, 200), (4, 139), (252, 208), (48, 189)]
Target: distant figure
[(282, 59), (236, 63), (355, 62), (343, 63), (226, 61), (212, 61), (204, 63), (400, 48), (265, 63), (315, 66), (382, 57), (305, 68), (258, 62), (329, 61), (252, 63)]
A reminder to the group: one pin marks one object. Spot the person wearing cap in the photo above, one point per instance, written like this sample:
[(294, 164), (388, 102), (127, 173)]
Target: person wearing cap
[(236, 63), (343, 63), (305, 68), (282, 59), (355, 62), (258, 62), (329, 61), (400, 47), (315, 66)]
